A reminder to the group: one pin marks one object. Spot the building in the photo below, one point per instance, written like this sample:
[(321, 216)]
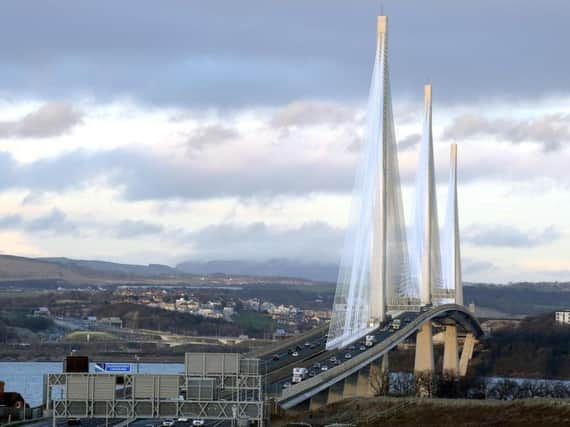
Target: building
[(112, 321), (562, 317)]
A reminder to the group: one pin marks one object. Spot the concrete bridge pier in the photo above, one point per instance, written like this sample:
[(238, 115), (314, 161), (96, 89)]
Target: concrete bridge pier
[(350, 386), (319, 400), (424, 361), (450, 353), (336, 392), (466, 353), (363, 386)]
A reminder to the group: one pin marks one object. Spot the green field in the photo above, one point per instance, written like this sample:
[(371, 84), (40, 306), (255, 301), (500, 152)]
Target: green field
[(84, 336), (253, 321)]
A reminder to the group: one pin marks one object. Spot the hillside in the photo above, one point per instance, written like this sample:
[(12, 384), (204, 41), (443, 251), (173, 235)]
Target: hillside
[(270, 268)]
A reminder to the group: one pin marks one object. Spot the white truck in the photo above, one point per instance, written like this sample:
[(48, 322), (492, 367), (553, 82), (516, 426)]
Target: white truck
[(396, 324), (299, 374), (369, 341)]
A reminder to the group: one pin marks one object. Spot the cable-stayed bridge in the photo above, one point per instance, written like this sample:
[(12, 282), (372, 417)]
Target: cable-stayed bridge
[(391, 287)]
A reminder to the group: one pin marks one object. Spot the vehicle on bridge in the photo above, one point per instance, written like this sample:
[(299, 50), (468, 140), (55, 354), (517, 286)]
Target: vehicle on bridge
[(299, 374)]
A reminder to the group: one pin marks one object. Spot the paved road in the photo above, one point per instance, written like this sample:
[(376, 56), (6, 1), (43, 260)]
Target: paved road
[(316, 359), (101, 422)]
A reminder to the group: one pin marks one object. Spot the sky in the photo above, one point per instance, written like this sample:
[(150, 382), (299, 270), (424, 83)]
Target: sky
[(156, 132)]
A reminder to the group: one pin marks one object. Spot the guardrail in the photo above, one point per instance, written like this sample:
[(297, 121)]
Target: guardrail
[(308, 388)]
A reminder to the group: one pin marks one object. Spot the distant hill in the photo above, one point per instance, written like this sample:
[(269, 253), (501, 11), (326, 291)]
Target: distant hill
[(114, 267), (14, 268), (270, 268), (491, 300)]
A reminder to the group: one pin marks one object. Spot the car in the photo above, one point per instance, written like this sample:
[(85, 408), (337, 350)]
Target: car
[(295, 354), (317, 365), (348, 356), (275, 357), (311, 373), (73, 421), (198, 422), (298, 348), (324, 368), (182, 420), (362, 348), (286, 385), (312, 346), (337, 362), (290, 351), (307, 344), (332, 359), (351, 347), (169, 422)]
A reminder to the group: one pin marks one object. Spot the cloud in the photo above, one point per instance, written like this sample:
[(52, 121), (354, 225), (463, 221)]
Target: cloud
[(55, 222), (197, 55), (309, 242), (51, 119), (135, 228), (409, 141), (311, 113), (509, 236), (210, 135), (471, 267), (551, 130)]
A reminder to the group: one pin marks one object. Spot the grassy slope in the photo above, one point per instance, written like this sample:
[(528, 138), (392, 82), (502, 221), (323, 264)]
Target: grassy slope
[(382, 411)]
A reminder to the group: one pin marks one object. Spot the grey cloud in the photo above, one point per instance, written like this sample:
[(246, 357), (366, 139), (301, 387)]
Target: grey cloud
[(309, 242), (310, 113), (136, 228), (409, 141), (549, 130), (232, 54), (144, 176), (210, 135), (509, 236), (55, 221), (49, 120), (473, 267)]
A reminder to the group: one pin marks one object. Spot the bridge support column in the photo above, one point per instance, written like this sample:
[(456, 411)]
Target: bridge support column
[(318, 400), (450, 354), (363, 387), (379, 376), (336, 392), (424, 361), (466, 354), (424, 349), (350, 386)]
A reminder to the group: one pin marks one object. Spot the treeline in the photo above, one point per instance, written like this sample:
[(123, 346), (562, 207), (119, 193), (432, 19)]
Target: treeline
[(469, 387), (538, 347), (520, 298), (137, 316), (11, 320)]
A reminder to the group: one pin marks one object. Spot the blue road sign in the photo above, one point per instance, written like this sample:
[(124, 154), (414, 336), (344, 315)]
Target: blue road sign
[(117, 367)]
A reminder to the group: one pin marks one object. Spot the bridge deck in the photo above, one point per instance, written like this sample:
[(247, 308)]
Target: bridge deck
[(386, 340)]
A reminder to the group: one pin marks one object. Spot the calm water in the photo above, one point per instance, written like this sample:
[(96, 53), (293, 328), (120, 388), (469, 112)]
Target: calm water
[(26, 378)]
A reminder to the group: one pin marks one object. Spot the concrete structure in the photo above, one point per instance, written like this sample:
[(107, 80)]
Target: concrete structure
[(359, 367), (426, 260), (215, 386), (377, 280), (562, 317), (424, 362), (451, 260), (450, 352)]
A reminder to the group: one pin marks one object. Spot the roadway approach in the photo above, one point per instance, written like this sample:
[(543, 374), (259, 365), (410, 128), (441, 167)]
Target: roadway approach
[(348, 370)]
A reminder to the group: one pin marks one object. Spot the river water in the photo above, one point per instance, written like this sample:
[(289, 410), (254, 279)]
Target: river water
[(26, 378)]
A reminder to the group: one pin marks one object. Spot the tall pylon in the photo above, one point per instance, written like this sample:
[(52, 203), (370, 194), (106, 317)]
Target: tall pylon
[(374, 268), (451, 245), (427, 257)]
